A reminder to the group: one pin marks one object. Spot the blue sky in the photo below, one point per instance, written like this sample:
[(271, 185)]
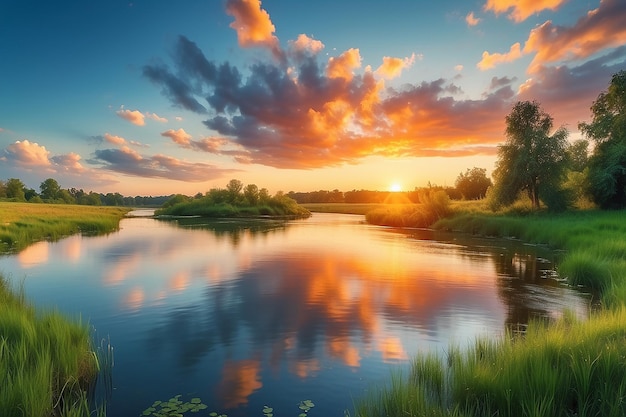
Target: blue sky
[(157, 97)]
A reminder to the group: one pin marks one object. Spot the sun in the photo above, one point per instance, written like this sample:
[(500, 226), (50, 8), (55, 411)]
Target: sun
[(395, 187)]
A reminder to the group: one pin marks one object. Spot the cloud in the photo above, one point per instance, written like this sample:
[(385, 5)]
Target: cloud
[(156, 117), (305, 44), (599, 29), (115, 140), (491, 60), (342, 66), (471, 20), (312, 114), (27, 154), (567, 92), (34, 163), (69, 163), (179, 137), (130, 162), (392, 67), (133, 116), (458, 68), (521, 10), (253, 25)]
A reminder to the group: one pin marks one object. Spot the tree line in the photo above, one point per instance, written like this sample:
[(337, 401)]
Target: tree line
[(13, 189)]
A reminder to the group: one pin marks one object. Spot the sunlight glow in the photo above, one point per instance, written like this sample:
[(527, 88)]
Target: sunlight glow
[(395, 188)]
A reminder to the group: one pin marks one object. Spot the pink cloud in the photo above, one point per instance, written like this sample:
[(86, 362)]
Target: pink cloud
[(156, 117), (471, 20), (26, 153), (599, 29), (304, 43), (179, 137), (133, 116), (115, 140)]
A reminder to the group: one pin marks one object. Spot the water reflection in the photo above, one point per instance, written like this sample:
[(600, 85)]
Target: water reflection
[(248, 313)]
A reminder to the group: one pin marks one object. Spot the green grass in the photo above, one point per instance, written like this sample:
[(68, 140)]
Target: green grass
[(46, 361), (204, 207), (567, 368), (343, 208), (22, 223)]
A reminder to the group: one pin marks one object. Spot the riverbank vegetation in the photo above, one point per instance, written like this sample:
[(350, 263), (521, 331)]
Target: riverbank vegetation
[(22, 224), (567, 367), (46, 362), (233, 201)]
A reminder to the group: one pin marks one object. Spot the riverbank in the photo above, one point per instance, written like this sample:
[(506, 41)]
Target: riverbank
[(22, 224), (564, 368), (46, 362)]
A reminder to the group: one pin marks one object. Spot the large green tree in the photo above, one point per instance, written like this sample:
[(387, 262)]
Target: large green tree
[(607, 165), (531, 160), (15, 189)]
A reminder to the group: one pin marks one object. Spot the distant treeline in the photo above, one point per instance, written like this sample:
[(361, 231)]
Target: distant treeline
[(367, 196), (14, 189)]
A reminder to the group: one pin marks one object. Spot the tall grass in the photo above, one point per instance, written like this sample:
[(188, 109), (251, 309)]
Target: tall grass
[(46, 361), (568, 368), (22, 223), (594, 242), (433, 206)]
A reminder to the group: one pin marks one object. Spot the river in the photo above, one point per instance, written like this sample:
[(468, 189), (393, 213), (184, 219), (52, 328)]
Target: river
[(243, 314)]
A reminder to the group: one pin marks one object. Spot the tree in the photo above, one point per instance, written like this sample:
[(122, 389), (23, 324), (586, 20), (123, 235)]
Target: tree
[(15, 189), (577, 154), (251, 193), (3, 189), (607, 164), (473, 184), (50, 189), (531, 160), (234, 188)]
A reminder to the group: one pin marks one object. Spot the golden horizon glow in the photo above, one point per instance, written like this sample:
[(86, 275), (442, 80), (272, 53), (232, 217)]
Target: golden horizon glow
[(395, 187)]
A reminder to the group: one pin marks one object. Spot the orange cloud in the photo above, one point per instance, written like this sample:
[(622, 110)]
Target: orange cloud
[(392, 67), (471, 20), (342, 66), (521, 9), (69, 163), (599, 29), (239, 380), (156, 117), (491, 60), (252, 24), (28, 153), (134, 116), (179, 137)]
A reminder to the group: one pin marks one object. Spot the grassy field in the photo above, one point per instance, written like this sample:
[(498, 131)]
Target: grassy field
[(24, 223)]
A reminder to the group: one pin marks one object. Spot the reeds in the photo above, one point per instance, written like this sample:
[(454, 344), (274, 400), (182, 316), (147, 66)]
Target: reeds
[(46, 362), (567, 368)]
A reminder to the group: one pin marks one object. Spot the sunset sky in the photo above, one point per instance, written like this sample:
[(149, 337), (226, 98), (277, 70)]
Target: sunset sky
[(153, 97)]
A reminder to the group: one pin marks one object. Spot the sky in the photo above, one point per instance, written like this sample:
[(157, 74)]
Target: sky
[(155, 97)]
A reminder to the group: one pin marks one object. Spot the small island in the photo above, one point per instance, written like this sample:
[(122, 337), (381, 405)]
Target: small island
[(234, 201)]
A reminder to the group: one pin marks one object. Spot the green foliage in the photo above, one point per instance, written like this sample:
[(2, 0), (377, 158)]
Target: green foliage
[(607, 168), (15, 189), (46, 362), (230, 202), (50, 189), (531, 160), (473, 184), (175, 407), (567, 368)]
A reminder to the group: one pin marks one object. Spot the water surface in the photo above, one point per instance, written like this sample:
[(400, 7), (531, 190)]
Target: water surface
[(243, 314)]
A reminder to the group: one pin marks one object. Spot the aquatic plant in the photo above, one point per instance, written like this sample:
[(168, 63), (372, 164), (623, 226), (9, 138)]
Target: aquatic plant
[(175, 407)]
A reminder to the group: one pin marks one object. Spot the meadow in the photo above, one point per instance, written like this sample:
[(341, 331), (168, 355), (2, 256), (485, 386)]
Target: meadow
[(24, 223)]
